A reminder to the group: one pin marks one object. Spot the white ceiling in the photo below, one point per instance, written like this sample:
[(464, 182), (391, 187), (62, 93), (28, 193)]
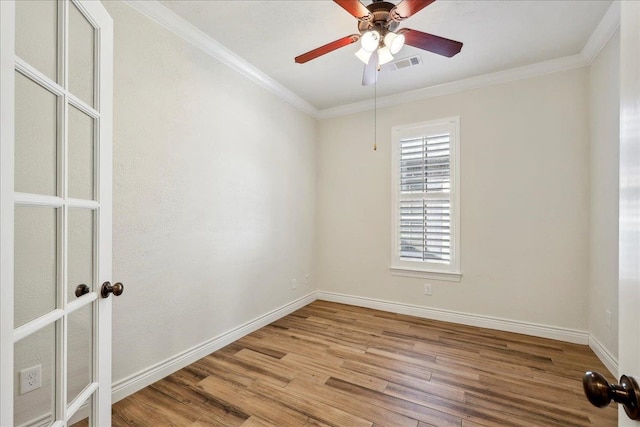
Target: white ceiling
[(497, 35)]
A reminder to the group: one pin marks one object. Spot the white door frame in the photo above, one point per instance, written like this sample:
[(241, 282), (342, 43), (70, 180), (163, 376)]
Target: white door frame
[(7, 106)]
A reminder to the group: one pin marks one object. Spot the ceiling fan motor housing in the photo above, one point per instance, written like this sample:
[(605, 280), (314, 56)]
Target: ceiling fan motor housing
[(382, 20)]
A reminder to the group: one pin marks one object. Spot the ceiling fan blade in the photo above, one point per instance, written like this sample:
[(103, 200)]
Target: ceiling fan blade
[(355, 8), (432, 43), (329, 47), (406, 8), (370, 75)]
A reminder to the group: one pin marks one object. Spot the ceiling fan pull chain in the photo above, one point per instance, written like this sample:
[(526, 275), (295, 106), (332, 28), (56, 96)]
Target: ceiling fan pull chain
[(375, 114)]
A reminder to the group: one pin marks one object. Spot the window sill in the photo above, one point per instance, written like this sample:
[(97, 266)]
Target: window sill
[(423, 274)]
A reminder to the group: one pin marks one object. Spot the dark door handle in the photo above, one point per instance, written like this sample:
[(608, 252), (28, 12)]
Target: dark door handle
[(600, 393), (82, 289), (108, 288)]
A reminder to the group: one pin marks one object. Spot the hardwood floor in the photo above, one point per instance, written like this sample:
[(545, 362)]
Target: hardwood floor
[(329, 364)]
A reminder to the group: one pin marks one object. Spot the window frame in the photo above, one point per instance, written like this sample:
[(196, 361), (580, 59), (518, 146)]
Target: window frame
[(426, 269)]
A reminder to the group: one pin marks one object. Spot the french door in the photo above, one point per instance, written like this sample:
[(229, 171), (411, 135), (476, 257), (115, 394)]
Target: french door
[(55, 218)]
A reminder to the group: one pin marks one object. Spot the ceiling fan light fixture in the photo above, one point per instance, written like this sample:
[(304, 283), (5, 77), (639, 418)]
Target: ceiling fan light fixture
[(384, 55), (363, 55), (370, 41), (394, 41)]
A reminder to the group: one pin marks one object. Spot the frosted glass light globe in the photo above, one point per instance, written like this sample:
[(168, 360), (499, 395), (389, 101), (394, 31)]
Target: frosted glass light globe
[(394, 42), (370, 40)]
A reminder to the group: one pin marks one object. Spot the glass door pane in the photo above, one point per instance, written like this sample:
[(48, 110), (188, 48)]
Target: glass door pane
[(81, 56), (36, 134), (79, 351), (80, 245), (35, 262), (35, 357), (37, 35), (81, 154)]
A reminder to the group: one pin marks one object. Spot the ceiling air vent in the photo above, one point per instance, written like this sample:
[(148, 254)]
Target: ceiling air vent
[(404, 63)]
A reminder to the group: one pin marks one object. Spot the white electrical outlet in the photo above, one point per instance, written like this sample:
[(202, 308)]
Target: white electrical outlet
[(294, 283), (307, 280), (427, 288), (608, 318), (30, 379)]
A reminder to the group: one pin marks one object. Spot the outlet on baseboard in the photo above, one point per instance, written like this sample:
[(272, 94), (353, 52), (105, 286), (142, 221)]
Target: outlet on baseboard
[(307, 280), (294, 284), (607, 317), (30, 379), (427, 289)]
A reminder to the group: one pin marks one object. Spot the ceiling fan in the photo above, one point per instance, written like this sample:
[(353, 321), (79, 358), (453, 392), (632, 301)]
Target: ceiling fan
[(379, 35)]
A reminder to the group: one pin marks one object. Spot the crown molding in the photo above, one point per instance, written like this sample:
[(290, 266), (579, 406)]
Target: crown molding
[(190, 33), (513, 74), (607, 27)]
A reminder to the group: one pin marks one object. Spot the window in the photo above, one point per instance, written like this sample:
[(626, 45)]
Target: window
[(425, 211)]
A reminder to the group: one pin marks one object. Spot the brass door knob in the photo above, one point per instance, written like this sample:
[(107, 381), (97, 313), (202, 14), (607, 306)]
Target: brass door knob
[(600, 393), (108, 288)]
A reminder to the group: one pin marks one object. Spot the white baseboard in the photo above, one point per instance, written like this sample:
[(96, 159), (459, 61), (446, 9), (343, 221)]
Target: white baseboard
[(40, 421), (146, 377), (533, 329), (604, 355)]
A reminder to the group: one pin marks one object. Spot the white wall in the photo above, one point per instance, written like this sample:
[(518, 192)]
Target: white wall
[(214, 193), (215, 199), (604, 91), (524, 202)]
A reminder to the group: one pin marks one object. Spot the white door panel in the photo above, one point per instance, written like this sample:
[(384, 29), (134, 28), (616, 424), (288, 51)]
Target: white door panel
[(629, 283), (55, 223)]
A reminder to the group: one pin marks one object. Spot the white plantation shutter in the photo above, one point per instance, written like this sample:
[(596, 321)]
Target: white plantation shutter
[(425, 231), (424, 195), (425, 164), (425, 180)]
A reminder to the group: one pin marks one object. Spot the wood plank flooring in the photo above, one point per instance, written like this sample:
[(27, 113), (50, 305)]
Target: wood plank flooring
[(329, 364)]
